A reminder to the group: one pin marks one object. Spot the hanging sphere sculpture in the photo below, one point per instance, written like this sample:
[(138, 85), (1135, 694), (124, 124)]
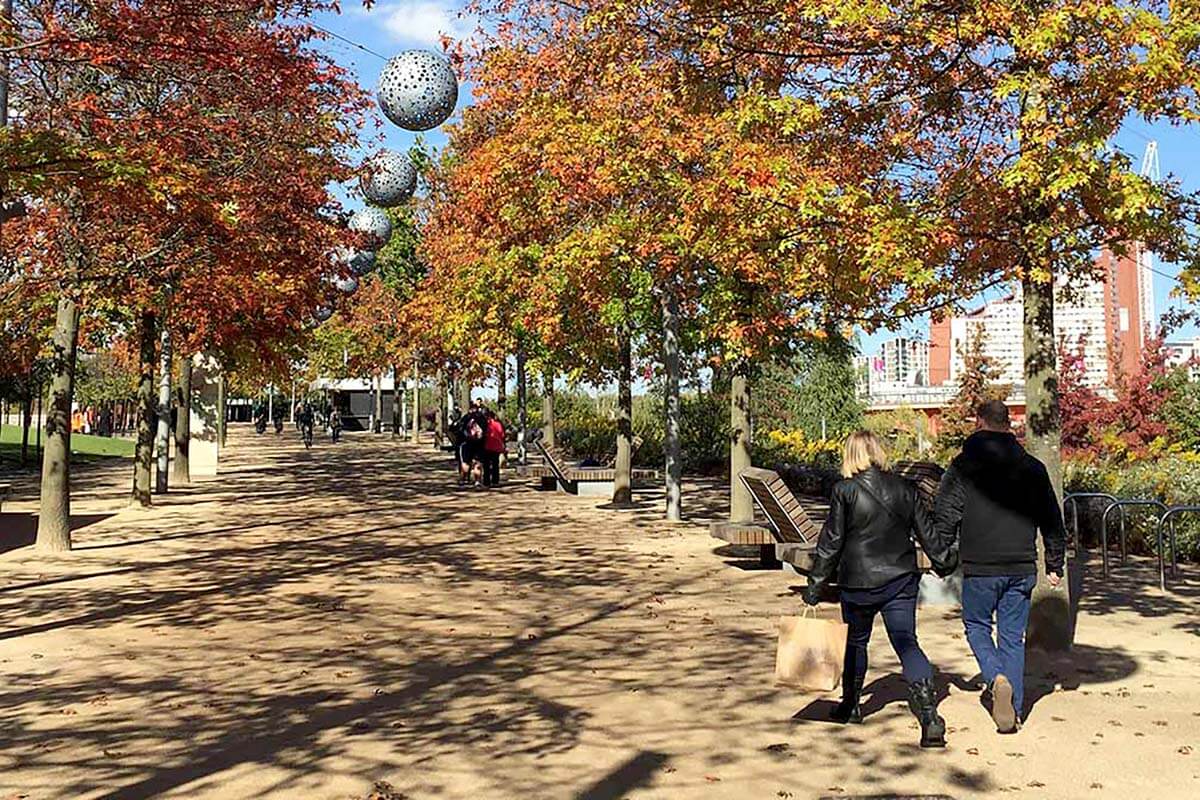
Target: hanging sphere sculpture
[(323, 313), (417, 90), (362, 262), (346, 285), (372, 223), (388, 179)]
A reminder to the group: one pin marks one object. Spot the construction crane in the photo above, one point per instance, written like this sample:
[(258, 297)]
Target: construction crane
[(1145, 259)]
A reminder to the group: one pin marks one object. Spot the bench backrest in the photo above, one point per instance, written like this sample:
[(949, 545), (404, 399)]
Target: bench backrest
[(925, 474), (785, 513), (635, 444), (551, 462)]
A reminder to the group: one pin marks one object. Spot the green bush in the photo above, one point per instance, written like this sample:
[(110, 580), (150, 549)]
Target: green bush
[(586, 427)]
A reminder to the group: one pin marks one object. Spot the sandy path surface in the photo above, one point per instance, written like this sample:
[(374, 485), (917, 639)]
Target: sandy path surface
[(316, 622)]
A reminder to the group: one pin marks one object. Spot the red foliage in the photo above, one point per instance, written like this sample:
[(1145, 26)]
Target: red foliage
[(1092, 423), (1084, 411)]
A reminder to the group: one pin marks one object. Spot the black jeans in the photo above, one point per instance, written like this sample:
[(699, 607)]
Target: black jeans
[(491, 469), (897, 601)]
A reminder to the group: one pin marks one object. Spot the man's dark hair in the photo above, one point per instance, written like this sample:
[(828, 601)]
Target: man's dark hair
[(994, 414)]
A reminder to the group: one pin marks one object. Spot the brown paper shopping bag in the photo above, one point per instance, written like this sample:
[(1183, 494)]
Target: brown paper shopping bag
[(810, 652)]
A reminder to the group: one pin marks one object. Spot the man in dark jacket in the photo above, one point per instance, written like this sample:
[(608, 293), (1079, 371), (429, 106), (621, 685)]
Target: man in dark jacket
[(993, 500)]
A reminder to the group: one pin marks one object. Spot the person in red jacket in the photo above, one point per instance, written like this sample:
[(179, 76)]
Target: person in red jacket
[(493, 448)]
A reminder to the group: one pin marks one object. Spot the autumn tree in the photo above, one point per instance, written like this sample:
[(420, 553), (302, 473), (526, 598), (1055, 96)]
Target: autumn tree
[(1079, 402), (180, 187), (978, 383)]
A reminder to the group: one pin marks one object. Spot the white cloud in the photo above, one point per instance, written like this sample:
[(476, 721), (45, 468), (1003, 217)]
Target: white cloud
[(423, 22)]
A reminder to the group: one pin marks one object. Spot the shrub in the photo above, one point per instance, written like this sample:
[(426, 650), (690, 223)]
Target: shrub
[(794, 448)]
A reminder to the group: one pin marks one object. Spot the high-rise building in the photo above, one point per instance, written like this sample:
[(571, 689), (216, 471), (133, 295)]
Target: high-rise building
[(902, 362), (1180, 353), (1111, 318)]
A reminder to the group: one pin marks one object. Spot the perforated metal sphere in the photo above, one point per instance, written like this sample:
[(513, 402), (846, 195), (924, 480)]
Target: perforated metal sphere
[(362, 262), (417, 90), (346, 285), (388, 179), (373, 223), (323, 313)]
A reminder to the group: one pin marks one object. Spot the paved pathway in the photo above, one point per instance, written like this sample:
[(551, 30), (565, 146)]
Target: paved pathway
[(316, 622)]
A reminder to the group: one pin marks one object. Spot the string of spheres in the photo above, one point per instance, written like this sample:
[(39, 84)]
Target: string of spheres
[(417, 92)]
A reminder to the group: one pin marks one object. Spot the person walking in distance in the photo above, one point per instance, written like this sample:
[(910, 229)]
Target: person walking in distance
[(493, 448), (874, 515), (992, 501)]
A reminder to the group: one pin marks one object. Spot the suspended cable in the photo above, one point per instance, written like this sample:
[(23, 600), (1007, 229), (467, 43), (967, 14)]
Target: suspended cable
[(350, 42)]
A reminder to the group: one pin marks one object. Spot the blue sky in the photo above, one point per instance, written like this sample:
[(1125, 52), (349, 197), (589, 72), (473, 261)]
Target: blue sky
[(395, 25)]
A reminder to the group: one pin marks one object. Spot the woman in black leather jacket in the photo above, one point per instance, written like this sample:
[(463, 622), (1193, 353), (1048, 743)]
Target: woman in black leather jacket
[(868, 542)]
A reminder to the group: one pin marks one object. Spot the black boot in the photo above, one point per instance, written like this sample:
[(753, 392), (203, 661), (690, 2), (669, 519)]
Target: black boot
[(922, 702), (848, 710)]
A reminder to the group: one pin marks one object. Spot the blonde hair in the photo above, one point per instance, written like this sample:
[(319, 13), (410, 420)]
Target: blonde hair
[(862, 451)]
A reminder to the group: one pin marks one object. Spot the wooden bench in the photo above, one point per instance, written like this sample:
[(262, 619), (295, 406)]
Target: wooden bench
[(788, 523), (925, 474), (582, 481), (795, 530)]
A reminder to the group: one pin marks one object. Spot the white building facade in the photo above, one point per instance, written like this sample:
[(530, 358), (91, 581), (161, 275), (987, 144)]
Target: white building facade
[(1078, 318)]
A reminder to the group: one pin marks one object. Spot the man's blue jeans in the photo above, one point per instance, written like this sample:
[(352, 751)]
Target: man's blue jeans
[(1004, 598)]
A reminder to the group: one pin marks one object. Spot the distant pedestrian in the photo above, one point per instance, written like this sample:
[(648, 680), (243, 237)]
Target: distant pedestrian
[(992, 501), (493, 449), (471, 428)]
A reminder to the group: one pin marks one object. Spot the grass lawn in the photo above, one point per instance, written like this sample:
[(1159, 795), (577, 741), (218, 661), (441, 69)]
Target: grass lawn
[(84, 447)]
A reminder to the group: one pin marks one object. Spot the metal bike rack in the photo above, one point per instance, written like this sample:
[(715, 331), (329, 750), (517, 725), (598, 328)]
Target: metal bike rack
[(1074, 499), (1122, 505), (1168, 516)]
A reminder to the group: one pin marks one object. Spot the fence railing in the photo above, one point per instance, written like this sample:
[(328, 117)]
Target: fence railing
[(1169, 516), (1120, 506), (1164, 526), (1074, 499)]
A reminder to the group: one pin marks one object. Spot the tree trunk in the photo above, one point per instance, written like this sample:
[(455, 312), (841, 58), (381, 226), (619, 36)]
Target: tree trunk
[(464, 393), (741, 504), (54, 517), (222, 410), (502, 388), (671, 447), (40, 391), (377, 427), (416, 407), (143, 449), (27, 422), (183, 425), (1050, 625), (163, 440), (522, 411), (439, 419), (548, 409), (622, 469), (397, 404)]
